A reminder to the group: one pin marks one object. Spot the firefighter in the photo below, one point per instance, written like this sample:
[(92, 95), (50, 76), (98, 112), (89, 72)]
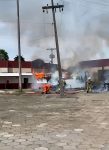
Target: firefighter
[(89, 85), (63, 85)]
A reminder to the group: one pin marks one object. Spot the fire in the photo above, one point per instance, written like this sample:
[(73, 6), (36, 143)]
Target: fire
[(46, 88), (39, 76)]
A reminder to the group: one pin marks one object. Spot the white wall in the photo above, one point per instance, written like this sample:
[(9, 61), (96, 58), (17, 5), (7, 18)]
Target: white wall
[(3, 69), (16, 70)]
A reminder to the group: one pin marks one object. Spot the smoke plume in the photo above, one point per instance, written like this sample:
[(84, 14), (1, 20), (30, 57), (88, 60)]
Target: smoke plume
[(82, 28)]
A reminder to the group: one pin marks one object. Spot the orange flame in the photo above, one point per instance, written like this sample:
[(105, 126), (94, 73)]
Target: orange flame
[(40, 75), (46, 88)]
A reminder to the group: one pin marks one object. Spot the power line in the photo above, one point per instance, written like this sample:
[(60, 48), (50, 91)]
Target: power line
[(98, 3), (98, 8), (88, 4), (95, 3)]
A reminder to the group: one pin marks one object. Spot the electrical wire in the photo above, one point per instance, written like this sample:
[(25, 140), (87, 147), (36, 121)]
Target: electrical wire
[(97, 3), (99, 7), (94, 10)]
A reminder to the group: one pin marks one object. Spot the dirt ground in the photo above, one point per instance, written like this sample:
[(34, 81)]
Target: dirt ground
[(47, 122)]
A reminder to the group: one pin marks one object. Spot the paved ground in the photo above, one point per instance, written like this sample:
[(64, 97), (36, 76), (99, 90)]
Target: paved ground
[(30, 122)]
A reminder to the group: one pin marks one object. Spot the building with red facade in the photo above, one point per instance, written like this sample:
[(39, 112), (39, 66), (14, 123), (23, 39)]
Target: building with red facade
[(97, 68), (95, 63), (9, 72)]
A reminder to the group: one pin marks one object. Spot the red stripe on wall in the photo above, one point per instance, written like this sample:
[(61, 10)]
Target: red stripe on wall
[(14, 64), (14, 86)]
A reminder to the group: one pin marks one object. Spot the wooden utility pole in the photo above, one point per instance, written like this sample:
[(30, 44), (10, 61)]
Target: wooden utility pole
[(54, 8), (19, 47)]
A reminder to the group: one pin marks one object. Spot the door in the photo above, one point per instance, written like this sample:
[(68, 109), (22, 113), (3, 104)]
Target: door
[(25, 83)]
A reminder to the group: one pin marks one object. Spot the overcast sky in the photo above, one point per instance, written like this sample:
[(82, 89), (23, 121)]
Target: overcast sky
[(83, 29)]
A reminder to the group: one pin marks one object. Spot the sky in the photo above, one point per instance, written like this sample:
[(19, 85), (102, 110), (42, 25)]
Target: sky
[(83, 30)]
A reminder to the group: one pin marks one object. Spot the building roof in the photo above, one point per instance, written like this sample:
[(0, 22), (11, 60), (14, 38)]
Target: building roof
[(94, 63)]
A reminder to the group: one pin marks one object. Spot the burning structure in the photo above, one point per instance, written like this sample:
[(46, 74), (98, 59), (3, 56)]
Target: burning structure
[(32, 71), (39, 65), (97, 69), (41, 82), (9, 73), (42, 73)]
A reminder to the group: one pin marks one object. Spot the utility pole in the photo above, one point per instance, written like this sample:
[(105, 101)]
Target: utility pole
[(52, 56), (54, 8), (19, 47)]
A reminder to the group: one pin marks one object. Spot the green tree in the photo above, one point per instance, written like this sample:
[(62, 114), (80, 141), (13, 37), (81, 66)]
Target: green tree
[(17, 57), (3, 55)]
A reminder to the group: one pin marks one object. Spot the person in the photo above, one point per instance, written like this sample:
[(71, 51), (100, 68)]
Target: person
[(106, 85), (63, 85), (89, 85)]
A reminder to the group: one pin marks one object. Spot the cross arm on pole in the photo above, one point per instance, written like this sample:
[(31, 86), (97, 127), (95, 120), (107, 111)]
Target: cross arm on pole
[(52, 7)]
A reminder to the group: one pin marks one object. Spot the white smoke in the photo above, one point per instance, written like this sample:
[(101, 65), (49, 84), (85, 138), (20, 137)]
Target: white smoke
[(54, 78), (37, 84), (82, 28), (74, 83)]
